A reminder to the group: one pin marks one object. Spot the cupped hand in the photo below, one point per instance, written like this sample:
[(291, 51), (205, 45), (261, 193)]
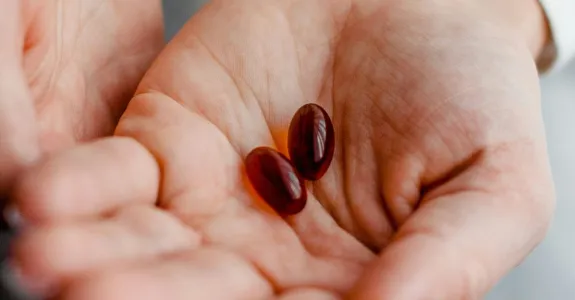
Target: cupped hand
[(439, 185), (67, 70)]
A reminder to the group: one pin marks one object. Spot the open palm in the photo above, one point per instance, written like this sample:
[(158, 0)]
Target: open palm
[(439, 183)]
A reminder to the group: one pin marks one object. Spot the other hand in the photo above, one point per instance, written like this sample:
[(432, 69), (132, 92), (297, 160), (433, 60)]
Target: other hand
[(67, 71)]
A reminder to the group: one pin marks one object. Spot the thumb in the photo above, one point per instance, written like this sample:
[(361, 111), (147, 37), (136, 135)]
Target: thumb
[(466, 234), (18, 141)]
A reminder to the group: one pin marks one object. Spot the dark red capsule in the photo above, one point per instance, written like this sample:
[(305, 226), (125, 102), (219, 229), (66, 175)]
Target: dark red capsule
[(274, 178), (311, 141)]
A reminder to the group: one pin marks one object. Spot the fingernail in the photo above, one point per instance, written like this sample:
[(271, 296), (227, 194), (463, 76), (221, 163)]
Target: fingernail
[(21, 285), (13, 217)]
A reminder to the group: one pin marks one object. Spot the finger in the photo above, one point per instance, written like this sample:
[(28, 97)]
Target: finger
[(18, 140), (88, 180), (47, 257), (307, 294), (466, 235), (200, 274)]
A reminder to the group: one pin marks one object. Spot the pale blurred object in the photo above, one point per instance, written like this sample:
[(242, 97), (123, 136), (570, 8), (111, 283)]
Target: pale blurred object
[(561, 16)]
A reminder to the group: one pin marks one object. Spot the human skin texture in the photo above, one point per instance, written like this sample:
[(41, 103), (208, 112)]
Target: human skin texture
[(67, 71), (439, 185)]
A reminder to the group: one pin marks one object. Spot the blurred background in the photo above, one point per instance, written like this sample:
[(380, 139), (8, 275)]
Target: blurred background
[(549, 273)]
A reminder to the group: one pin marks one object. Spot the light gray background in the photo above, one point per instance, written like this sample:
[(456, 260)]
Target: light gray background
[(549, 273)]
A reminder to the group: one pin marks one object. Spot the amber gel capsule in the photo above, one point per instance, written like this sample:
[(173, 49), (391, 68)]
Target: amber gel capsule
[(311, 141), (274, 178)]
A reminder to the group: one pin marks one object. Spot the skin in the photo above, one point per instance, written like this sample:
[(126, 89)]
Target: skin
[(439, 186), (67, 71)]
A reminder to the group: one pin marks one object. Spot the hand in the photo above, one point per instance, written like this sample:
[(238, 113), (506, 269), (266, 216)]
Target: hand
[(440, 182), (67, 71)]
